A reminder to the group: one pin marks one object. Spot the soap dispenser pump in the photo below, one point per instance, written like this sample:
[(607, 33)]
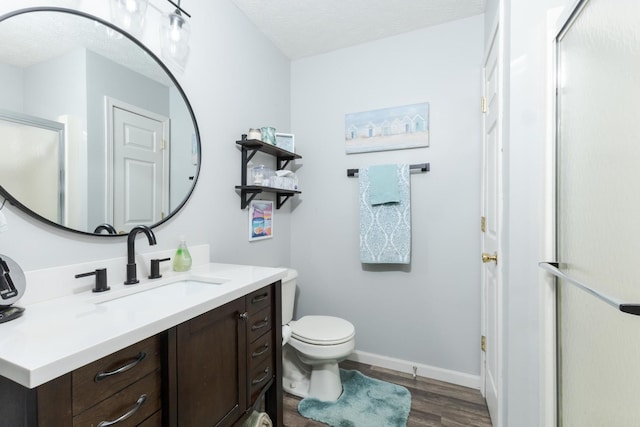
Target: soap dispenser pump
[(182, 259)]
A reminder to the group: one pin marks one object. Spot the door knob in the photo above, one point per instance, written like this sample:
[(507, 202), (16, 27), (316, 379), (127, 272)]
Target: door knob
[(488, 258)]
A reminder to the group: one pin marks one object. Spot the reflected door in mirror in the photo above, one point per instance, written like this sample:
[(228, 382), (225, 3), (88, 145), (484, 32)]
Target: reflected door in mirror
[(139, 144)]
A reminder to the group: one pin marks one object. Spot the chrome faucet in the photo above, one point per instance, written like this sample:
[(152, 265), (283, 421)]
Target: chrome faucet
[(132, 274)]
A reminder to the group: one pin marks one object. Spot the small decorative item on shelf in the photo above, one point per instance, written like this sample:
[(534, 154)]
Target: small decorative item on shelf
[(254, 134), (262, 175), (269, 135), (285, 141), (285, 179)]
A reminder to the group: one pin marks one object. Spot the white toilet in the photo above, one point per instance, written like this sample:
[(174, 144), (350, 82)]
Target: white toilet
[(312, 348)]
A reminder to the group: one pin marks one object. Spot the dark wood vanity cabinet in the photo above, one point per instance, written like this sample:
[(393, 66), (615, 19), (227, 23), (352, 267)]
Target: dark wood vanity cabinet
[(125, 385), (226, 360), (211, 370), (211, 357)]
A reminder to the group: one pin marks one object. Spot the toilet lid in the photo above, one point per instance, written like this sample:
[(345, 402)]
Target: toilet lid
[(322, 330)]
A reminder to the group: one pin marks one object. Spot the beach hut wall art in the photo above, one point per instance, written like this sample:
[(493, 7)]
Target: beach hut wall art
[(395, 128)]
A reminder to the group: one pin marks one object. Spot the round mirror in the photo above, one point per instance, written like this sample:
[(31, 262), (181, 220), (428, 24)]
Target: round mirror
[(96, 135)]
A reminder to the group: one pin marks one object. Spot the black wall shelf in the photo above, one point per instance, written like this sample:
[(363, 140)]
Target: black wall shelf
[(249, 148)]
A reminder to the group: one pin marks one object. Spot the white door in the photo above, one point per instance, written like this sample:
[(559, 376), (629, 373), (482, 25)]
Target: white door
[(140, 155), (490, 226)]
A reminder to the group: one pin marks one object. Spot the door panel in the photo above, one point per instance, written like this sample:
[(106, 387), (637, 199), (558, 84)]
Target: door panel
[(141, 175), (491, 231), (598, 206)]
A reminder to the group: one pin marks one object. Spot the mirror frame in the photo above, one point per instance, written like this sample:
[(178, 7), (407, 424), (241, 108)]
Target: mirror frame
[(13, 201)]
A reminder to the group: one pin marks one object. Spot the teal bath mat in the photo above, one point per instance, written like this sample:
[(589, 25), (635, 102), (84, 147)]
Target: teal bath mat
[(365, 402)]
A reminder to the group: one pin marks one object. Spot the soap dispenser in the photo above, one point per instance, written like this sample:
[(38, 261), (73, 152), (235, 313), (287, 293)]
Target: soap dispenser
[(182, 259)]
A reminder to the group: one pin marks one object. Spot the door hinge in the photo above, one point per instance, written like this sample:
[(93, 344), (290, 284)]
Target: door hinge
[(483, 344), (483, 224), (163, 144), (483, 104)]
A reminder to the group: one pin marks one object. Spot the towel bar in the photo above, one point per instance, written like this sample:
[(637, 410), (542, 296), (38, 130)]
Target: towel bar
[(424, 167), (552, 267)]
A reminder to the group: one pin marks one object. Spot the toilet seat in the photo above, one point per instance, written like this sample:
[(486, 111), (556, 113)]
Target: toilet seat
[(322, 330)]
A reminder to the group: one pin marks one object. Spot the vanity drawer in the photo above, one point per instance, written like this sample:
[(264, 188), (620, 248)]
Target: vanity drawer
[(258, 300), (260, 377), (259, 324), (100, 379), (127, 401), (154, 420), (260, 350)]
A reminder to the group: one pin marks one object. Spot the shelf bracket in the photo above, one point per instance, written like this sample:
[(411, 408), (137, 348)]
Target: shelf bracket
[(246, 197), (282, 198), (282, 162), (251, 154)]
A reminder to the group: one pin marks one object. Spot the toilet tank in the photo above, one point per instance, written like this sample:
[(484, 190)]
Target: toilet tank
[(288, 295)]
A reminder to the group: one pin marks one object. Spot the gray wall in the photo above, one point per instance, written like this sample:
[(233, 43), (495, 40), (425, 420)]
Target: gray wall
[(182, 166), (428, 313), (11, 81), (229, 94), (56, 87)]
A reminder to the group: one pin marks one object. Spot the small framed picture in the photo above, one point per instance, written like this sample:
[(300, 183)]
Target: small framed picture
[(285, 141), (260, 220)]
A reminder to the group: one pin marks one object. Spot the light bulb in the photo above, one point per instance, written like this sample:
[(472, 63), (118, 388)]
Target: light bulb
[(131, 6), (129, 14), (175, 38)]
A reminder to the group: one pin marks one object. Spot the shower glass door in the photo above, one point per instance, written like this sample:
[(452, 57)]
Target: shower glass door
[(598, 213)]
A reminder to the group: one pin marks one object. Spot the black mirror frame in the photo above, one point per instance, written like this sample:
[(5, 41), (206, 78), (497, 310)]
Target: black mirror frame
[(13, 201)]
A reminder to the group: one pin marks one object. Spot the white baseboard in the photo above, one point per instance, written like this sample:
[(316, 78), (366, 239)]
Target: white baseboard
[(453, 377)]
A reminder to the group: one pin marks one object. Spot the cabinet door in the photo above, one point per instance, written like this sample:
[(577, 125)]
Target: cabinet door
[(211, 367)]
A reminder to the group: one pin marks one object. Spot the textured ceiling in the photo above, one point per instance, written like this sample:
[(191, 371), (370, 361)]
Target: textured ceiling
[(36, 37), (303, 28)]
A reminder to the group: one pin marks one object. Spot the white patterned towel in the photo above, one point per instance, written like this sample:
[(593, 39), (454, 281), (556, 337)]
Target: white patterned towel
[(385, 230)]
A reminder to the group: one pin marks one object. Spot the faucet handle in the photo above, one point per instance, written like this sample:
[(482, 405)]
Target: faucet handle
[(101, 279), (155, 268)]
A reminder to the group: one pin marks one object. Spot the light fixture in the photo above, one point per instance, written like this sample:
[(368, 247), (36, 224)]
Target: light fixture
[(129, 14), (175, 34)]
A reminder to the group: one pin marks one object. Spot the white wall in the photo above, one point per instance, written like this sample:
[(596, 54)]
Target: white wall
[(529, 28), (235, 79), (428, 313)]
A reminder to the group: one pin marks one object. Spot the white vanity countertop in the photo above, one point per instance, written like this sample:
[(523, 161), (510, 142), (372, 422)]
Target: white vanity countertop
[(55, 337)]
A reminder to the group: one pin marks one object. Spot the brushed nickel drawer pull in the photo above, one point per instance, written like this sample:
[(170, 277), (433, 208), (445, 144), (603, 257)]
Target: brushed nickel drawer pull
[(126, 415), (260, 325), (102, 375), (259, 298), (261, 352), (259, 380)]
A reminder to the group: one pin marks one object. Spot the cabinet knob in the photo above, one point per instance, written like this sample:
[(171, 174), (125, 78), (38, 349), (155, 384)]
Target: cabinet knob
[(244, 315)]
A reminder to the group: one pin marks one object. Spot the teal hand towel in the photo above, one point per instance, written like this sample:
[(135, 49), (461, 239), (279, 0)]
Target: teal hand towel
[(385, 230), (383, 184)]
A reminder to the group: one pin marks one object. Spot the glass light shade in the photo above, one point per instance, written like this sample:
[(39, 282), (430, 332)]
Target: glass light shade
[(175, 38), (129, 14)]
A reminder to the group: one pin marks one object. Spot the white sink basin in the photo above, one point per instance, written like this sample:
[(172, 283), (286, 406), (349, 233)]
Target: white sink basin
[(148, 294)]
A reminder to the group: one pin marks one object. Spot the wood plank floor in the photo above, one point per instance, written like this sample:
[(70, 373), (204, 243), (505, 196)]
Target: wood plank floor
[(433, 403)]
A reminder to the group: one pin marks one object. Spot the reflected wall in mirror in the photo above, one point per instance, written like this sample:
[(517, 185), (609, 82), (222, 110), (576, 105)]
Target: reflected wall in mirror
[(94, 129)]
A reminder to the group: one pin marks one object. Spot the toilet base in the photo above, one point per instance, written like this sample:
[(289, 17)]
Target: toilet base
[(295, 374), (325, 382), (320, 381)]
